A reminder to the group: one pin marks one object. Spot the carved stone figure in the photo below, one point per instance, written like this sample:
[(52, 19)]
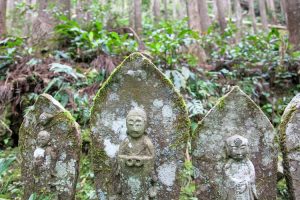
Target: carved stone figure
[(50, 151), (239, 173), (234, 114), (136, 159), (123, 158), (44, 160)]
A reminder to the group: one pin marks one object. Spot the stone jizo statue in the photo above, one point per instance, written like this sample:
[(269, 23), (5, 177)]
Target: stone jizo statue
[(44, 161), (136, 159), (239, 172)]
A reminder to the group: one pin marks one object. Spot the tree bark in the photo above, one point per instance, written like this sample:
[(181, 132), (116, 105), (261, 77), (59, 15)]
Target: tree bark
[(293, 22), (156, 10), (215, 10), (283, 9), (221, 15), (228, 8), (263, 14), (165, 9), (204, 18), (65, 7), (138, 16), (28, 19), (182, 12), (272, 10), (239, 19), (252, 14), (3, 4), (194, 16), (194, 24), (131, 14)]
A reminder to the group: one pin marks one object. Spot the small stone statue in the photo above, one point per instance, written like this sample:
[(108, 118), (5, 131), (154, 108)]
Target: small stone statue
[(239, 172), (136, 160), (44, 161)]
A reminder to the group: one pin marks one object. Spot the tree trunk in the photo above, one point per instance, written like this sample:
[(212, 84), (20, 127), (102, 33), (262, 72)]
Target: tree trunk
[(28, 19), (204, 18), (272, 10), (194, 23), (193, 14), (252, 14), (138, 16), (239, 19), (263, 15), (293, 21), (182, 12), (3, 4), (215, 10), (156, 10), (228, 8), (283, 10), (174, 10), (165, 9), (131, 11), (65, 7), (221, 15)]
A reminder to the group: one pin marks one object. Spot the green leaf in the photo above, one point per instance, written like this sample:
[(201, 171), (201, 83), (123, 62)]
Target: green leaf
[(60, 68), (5, 163)]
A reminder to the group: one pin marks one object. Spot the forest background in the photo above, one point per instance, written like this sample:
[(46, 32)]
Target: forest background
[(68, 48)]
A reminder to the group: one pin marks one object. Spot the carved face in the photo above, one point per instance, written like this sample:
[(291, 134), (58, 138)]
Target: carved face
[(135, 126), (237, 147), (43, 138)]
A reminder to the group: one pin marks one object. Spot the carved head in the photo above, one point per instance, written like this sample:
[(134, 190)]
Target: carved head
[(237, 147), (43, 138), (136, 122)]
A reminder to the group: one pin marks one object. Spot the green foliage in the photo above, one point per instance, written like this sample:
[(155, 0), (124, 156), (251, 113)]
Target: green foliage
[(85, 185), (168, 43), (60, 68), (188, 186), (86, 43), (282, 192), (10, 184), (9, 51)]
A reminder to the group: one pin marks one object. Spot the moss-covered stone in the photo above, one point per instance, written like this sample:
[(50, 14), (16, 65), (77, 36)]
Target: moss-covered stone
[(234, 114), (50, 150), (289, 130), (138, 83)]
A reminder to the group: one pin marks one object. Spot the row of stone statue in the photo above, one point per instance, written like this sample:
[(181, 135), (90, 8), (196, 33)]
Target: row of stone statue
[(140, 129)]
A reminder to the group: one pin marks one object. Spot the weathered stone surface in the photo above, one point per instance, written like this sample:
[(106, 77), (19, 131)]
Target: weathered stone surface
[(50, 150), (290, 145), (234, 114), (137, 83)]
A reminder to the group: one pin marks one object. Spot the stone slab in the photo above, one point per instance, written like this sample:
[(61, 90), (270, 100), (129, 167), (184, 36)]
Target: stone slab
[(234, 114), (138, 83), (50, 150), (290, 144)]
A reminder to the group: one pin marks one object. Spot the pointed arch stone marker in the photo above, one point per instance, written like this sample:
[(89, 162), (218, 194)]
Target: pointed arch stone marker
[(128, 165), (290, 144), (50, 150), (235, 124)]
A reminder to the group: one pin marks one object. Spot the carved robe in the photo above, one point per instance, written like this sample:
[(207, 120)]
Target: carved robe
[(239, 180), (136, 163)]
